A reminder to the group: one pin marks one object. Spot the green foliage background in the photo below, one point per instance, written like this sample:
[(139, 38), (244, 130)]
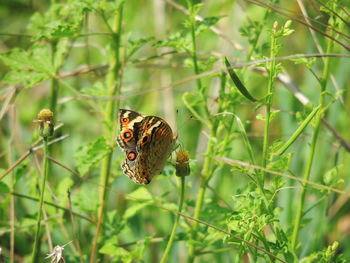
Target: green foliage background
[(84, 59)]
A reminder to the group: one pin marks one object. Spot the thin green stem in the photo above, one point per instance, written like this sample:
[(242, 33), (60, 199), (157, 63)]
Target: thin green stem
[(194, 57), (12, 187), (270, 88), (206, 175), (193, 54), (194, 46), (324, 80), (113, 90), (54, 81), (36, 252), (54, 95), (173, 232), (207, 167), (198, 208), (256, 40), (74, 228)]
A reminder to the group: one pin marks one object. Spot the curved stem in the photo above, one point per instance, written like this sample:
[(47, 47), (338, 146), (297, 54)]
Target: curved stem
[(173, 232), (36, 252)]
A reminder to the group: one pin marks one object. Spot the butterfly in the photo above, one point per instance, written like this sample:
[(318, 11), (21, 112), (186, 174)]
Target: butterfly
[(147, 142)]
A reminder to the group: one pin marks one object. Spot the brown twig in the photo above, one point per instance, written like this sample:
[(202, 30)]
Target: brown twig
[(318, 45), (301, 180), (83, 69), (334, 13), (341, 140), (32, 148), (53, 205), (4, 231), (8, 98), (74, 227), (262, 4)]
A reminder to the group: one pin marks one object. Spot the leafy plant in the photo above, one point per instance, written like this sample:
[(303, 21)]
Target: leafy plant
[(261, 103)]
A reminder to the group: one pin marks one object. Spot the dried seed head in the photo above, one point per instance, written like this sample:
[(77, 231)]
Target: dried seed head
[(56, 254), (182, 163), (46, 123)]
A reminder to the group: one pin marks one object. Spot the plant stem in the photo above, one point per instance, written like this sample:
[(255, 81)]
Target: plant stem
[(113, 90), (12, 184), (256, 40), (193, 54), (206, 175), (173, 232), (270, 88), (36, 252), (54, 81), (194, 46), (307, 172), (74, 228)]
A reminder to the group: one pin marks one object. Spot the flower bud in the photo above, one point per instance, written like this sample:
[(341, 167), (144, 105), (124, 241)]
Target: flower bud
[(46, 123), (182, 163)]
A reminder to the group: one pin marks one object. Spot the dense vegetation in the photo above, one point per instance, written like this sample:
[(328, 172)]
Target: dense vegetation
[(256, 91)]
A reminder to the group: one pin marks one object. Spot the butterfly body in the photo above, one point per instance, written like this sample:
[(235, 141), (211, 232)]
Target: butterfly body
[(147, 142)]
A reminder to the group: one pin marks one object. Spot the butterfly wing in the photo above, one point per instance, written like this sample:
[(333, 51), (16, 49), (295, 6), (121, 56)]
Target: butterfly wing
[(154, 146), (130, 125), (147, 142)]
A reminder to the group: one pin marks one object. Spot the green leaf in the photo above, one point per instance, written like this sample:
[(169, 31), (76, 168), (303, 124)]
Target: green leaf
[(111, 248), (140, 193), (328, 254), (134, 209), (308, 62), (86, 199), (4, 189), (135, 45), (238, 82), (28, 79), (281, 164), (98, 89), (180, 41), (205, 24), (91, 154), (140, 249), (331, 177), (61, 20), (29, 67), (193, 100), (61, 52), (62, 189), (260, 117)]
